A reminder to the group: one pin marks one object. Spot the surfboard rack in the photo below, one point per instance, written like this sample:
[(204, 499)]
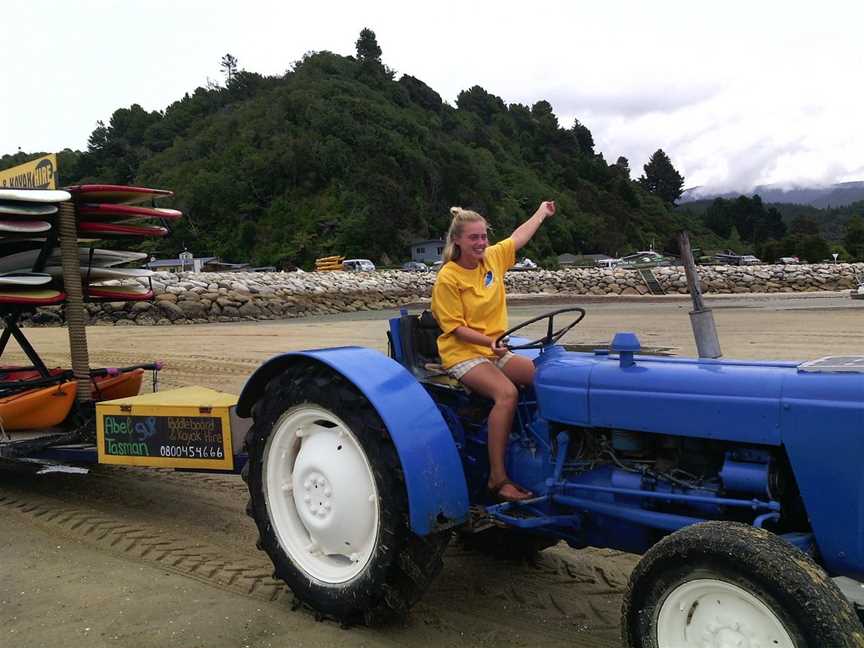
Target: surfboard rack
[(28, 425), (10, 316)]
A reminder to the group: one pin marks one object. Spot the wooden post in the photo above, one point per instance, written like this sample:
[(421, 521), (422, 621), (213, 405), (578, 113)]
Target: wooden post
[(701, 318), (67, 221)]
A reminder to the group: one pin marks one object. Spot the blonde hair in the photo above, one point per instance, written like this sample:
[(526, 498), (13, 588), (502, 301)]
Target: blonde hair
[(460, 218)]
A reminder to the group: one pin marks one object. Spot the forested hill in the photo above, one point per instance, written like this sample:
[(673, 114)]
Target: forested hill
[(339, 157)]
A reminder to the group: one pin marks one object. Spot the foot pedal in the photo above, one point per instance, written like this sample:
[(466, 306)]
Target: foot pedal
[(480, 520)]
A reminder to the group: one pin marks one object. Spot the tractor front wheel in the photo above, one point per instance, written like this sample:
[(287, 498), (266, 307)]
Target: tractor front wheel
[(729, 584), (328, 497)]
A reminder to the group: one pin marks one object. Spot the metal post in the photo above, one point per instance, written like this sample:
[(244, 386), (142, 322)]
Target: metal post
[(74, 300), (701, 318)]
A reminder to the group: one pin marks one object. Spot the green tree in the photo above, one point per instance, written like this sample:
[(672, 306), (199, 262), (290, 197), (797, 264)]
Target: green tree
[(624, 165), (367, 47), (584, 138), (476, 100), (661, 178), (337, 157), (229, 67), (771, 251), (804, 225), (813, 248), (718, 218), (853, 237)]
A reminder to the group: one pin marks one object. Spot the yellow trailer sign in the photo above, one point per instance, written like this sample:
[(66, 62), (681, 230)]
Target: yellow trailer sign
[(36, 174), (181, 428)]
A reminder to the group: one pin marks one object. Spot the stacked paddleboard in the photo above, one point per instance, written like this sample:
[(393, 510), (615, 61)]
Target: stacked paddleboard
[(27, 217), (30, 267), (118, 212)]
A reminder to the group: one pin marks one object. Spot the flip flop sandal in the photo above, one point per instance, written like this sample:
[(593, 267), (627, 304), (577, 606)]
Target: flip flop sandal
[(495, 492)]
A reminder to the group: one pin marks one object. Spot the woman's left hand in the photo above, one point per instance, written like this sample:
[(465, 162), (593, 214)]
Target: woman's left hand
[(499, 350)]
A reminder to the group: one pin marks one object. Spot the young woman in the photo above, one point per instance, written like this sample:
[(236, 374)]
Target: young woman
[(469, 302)]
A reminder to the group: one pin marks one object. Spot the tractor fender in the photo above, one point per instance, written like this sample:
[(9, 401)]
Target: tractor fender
[(437, 491)]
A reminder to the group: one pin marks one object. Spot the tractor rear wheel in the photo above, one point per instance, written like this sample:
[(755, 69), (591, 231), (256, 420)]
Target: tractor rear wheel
[(330, 502), (729, 584)]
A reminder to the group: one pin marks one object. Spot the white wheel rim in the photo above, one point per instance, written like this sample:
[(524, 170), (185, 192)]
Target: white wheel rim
[(708, 613), (320, 494)]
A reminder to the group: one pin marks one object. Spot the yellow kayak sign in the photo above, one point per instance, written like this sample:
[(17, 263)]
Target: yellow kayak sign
[(40, 173)]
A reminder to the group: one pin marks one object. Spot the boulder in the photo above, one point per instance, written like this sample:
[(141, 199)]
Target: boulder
[(170, 310)]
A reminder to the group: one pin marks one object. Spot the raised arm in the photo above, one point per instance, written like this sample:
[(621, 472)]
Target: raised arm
[(522, 234)]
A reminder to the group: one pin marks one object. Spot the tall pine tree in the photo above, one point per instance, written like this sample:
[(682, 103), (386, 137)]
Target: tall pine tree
[(367, 47), (661, 178)]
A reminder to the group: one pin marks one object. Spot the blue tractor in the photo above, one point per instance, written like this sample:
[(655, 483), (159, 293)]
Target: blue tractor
[(740, 482)]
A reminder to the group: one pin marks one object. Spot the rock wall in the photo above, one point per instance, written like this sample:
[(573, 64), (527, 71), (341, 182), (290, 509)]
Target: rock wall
[(230, 297)]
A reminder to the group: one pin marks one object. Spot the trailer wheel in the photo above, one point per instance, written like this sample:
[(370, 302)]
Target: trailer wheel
[(729, 584), (328, 497)]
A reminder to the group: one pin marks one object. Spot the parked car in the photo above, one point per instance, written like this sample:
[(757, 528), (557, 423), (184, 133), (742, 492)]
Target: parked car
[(648, 259), (525, 264), (794, 260), (435, 267), (358, 265), (415, 266), (607, 263), (729, 258)]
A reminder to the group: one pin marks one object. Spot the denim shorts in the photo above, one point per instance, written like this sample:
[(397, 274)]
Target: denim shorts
[(461, 368)]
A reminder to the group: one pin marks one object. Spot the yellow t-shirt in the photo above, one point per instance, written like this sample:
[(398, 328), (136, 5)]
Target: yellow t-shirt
[(473, 298)]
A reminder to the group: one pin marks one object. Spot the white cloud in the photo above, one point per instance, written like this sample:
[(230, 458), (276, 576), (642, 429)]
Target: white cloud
[(737, 93)]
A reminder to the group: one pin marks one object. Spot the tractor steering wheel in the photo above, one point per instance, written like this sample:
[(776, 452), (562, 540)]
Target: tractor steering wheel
[(551, 336)]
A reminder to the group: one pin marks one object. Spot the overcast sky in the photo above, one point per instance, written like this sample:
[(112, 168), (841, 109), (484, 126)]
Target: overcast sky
[(737, 93)]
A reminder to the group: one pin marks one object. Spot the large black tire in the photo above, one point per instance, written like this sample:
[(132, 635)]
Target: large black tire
[(507, 544), (402, 564), (721, 560)]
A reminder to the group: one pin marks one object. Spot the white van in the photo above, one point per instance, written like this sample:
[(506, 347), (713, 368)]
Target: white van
[(607, 263), (358, 265)]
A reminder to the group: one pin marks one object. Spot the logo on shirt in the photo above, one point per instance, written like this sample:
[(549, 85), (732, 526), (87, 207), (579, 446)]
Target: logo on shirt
[(489, 279)]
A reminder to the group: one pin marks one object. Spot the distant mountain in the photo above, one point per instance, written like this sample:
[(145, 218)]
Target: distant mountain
[(836, 195)]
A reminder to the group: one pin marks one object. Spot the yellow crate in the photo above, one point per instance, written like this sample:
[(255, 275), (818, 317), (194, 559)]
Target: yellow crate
[(189, 427)]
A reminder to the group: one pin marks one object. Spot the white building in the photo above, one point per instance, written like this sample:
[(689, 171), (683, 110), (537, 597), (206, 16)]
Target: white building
[(427, 251)]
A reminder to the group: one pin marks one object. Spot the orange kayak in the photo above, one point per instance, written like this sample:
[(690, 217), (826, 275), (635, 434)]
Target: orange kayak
[(46, 407), (37, 408), (123, 386)]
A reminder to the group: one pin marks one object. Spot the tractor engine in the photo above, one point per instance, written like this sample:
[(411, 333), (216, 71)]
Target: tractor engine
[(667, 474)]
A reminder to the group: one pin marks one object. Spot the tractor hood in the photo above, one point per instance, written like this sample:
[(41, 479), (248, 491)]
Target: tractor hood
[(750, 402)]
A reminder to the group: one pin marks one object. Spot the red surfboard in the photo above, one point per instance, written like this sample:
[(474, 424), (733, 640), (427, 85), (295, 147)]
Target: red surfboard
[(119, 293), (114, 212), (113, 230), (38, 297), (121, 194)]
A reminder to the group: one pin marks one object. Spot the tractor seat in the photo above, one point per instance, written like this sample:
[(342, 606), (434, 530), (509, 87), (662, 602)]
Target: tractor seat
[(419, 337)]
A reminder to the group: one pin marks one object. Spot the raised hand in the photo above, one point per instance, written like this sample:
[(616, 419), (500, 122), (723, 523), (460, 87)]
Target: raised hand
[(547, 208)]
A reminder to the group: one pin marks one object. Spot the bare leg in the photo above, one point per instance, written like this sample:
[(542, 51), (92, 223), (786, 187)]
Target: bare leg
[(489, 381), (520, 370)]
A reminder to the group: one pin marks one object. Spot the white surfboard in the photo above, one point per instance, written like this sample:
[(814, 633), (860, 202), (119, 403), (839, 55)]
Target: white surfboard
[(24, 260), (102, 258), (24, 279), (23, 227), (26, 209), (101, 274), (35, 195)]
